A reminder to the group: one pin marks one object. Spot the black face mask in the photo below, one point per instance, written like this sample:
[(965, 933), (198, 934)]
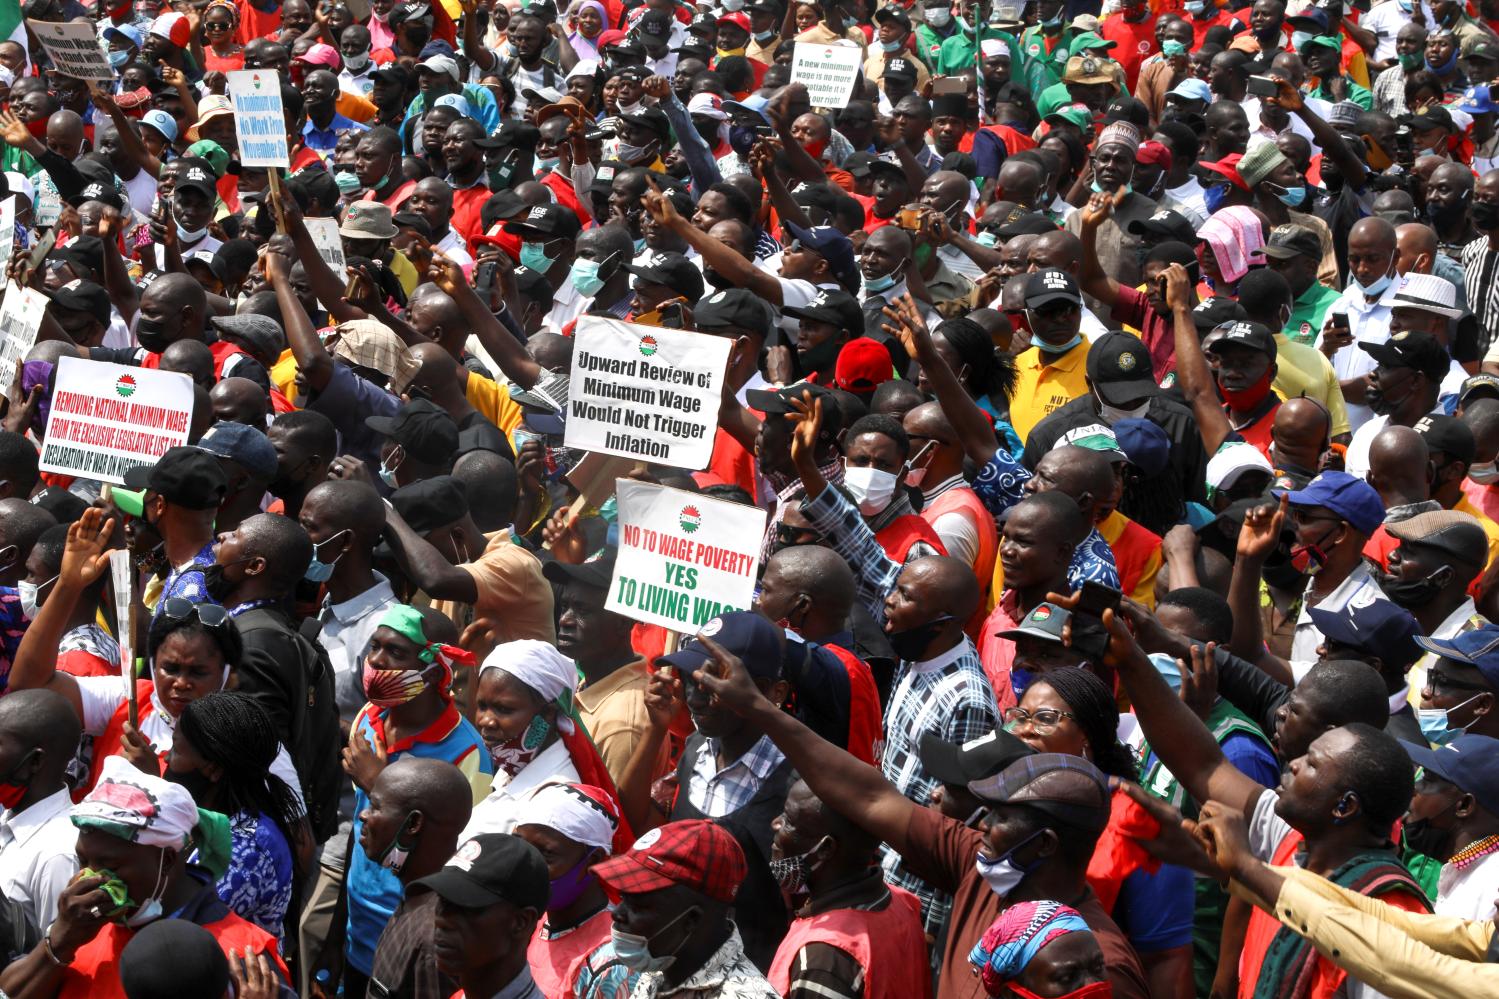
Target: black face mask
[(1427, 839), (1413, 593), (194, 782), (821, 356), (912, 643), (1485, 215), (151, 334), (215, 583), (1281, 574), (1446, 216)]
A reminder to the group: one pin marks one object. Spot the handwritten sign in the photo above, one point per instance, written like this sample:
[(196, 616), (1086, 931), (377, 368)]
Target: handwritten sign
[(330, 246), (645, 392), (108, 418), (74, 49), (20, 317), (683, 558), (259, 121), (828, 72), (7, 237)]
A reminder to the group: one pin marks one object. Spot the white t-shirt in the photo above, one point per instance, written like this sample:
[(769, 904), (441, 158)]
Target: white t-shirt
[(142, 191), (1386, 20)]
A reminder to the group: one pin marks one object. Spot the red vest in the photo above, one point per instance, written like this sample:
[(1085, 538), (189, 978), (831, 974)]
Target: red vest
[(962, 499), (889, 945), (866, 733), (108, 743), (222, 351), (1015, 141), (900, 534)]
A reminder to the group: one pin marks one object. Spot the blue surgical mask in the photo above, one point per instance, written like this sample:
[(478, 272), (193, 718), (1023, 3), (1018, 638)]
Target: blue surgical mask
[(545, 165), (1128, 188), (1214, 197), (987, 238), (1195, 7), (585, 275), (894, 46), (1060, 348), (534, 256), (876, 285), (319, 571), (640, 246), (634, 950), (118, 59), (1436, 723), (388, 471), (1300, 38), (1374, 288), (1291, 197), (1052, 22)]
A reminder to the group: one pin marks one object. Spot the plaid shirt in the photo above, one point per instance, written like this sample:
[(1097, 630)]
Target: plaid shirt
[(788, 487), (1000, 484), (717, 792), (840, 522)]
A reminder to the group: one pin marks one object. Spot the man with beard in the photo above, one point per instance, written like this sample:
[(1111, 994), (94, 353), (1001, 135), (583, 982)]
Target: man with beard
[(465, 162), (1449, 196), (1402, 388), (1113, 168), (324, 123)]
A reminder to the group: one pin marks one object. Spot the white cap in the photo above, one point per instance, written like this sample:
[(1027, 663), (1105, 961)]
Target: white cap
[(1232, 461)]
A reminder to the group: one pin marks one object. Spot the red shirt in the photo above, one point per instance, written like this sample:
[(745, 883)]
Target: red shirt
[(1200, 28), (257, 23), (562, 189), (468, 206), (398, 197), (1134, 41)]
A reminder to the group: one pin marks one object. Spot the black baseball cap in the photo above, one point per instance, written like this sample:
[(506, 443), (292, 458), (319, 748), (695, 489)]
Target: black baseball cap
[(1167, 223), (778, 401), (83, 296), (429, 504), (1414, 349), (901, 68), (549, 221), (184, 476), (1255, 336), (106, 194), (959, 763), (489, 869), (597, 570), (1027, 224), (1051, 285), (501, 205), (734, 307), (673, 270), (832, 246), (484, 436), (1287, 241), (422, 428), (1429, 117), (836, 307), (651, 118), (1119, 368), (511, 133), (896, 14), (196, 174), (1448, 435), (1210, 313), (394, 73)]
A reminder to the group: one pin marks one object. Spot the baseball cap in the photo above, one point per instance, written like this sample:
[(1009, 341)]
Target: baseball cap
[(1429, 293), (492, 868), (832, 246), (394, 73), (778, 401), (1310, 19), (1470, 761), (1146, 445), (696, 853), (901, 68), (422, 428), (651, 118), (1349, 497), (458, 103), (1458, 534), (597, 570), (655, 23), (1067, 788), (1414, 349), (1476, 100), (441, 64), (1167, 223), (1428, 117), (1255, 336), (125, 33), (83, 296), (1375, 627), (549, 221), (736, 308), (197, 174), (1085, 41), (896, 14), (1287, 241), (1027, 224), (1228, 166), (1231, 462), (1191, 89), (1051, 285), (174, 27), (1210, 313), (1478, 648), (1045, 621), (242, 444), (321, 54), (750, 636), (863, 365), (429, 504), (1071, 114), (836, 307), (960, 763), (162, 122), (185, 476), (1119, 367), (1481, 382), (672, 270), (367, 220)]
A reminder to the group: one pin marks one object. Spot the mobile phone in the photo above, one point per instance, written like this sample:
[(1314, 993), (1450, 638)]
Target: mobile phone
[(1097, 598), (1262, 86), (356, 284), (672, 316), (1336, 321), (484, 277)]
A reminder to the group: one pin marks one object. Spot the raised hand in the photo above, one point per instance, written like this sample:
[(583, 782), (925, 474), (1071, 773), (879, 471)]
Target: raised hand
[(1261, 531), (1224, 833), (1178, 287), (663, 697), (1199, 672), (1287, 96), (662, 211), (1175, 842), (907, 325), (1099, 207), (806, 421), (138, 752), (13, 130), (85, 557), (657, 86)]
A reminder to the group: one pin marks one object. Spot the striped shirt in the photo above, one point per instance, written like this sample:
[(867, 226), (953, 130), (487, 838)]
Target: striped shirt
[(1479, 279), (718, 791)]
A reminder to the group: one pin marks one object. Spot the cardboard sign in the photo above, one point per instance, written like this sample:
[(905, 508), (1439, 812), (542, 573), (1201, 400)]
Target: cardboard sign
[(645, 392), (20, 317), (75, 49), (7, 237), (683, 558), (108, 418), (259, 122), (330, 247), (828, 71), (47, 205)]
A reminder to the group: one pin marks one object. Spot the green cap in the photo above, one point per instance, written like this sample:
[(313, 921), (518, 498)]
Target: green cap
[(216, 155), (1326, 41), (1086, 40), (129, 501), (1076, 114)]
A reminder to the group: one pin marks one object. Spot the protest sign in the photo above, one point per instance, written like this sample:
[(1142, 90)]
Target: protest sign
[(105, 419), (74, 48), (20, 318), (645, 392), (330, 247), (7, 237), (259, 122), (683, 558), (828, 72), (47, 205)]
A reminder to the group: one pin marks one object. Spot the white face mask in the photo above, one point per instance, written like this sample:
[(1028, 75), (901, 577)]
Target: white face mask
[(1002, 875), (1113, 414), (939, 18), (1486, 473), (30, 594), (871, 488), (356, 63)]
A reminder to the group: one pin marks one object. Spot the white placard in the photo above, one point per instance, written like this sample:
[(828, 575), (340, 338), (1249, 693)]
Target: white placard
[(7, 237), (259, 121), (75, 49), (645, 392), (47, 205), (20, 317), (108, 418), (829, 72), (330, 246), (122, 574), (683, 558)]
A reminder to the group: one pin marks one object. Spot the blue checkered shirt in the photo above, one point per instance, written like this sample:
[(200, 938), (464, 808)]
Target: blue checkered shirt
[(716, 792)]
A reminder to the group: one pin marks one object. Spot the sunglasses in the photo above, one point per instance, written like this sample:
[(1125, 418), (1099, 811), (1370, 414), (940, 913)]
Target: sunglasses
[(181, 609)]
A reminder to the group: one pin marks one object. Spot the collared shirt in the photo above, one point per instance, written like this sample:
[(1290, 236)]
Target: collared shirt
[(346, 632), (1360, 587), (1464, 618), (324, 139), (1309, 311), (36, 855), (1481, 281), (1046, 382), (522, 986), (1368, 322), (1389, 91), (502, 809), (613, 709), (728, 974), (717, 791), (1468, 892)]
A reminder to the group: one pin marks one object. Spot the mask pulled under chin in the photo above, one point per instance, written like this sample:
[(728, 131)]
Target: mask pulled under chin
[(1246, 399), (1485, 474)]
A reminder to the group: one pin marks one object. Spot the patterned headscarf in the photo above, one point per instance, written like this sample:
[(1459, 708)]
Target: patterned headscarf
[(1236, 238), (1017, 936), (407, 621), (227, 7)]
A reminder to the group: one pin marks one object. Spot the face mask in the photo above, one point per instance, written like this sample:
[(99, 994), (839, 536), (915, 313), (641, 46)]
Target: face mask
[(634, 951), (388, 688), (1411, 61), (1001, 875), (11, 789), (1098, 990), (534, 256), (988, 239), (1053, 22), (733, 5), (356, 64), (1196, 7), (894, 46), (631, 153), (388, 473), (1057, 348), (1423, 837), (821, 356), (190, 235), (1291, 197), (568, 888), (1374, 288), (1414, 593), (1484, 474), (939, 18), (639, 246), (1300, 38), (119, 59), (1170, 49), (1444, 68), (150, 910), (1485, 215), (1383, 404), (1446, 216), (1437, 728), (764, 36), (876, 285), (871, 488), (1113, 414), (31, 597), (218, 585), (584, 276), (1214, 197), (912, 643), (151, 334), (319, 571), (791, 872), (546, 164), (393, 857)]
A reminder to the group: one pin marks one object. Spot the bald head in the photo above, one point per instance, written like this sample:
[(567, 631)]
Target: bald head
[(490, 486), (179, 303), (946, 584), (551, 351), (65, 134), (350, 505), (1372, 231), (239, 400), (1398, 466), (819, 572), (434, 368), (435, 788), (929, 421), (1059, 249), (21, 524), (191, 358), (41, 719), (1086, 476)]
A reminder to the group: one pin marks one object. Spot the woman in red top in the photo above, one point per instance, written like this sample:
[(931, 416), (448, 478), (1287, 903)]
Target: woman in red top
[(222, 53)]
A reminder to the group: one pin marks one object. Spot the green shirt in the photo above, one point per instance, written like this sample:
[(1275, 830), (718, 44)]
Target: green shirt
[(1362, 96), (929, 44), (1307, 313), (1042, 69), (13, 159), (958, 52)]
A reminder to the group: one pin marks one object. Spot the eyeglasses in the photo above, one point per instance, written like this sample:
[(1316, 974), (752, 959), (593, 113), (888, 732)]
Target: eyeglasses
[(1437, 680), (216, 26), (1042, 720), (180, 609), (788, 535)]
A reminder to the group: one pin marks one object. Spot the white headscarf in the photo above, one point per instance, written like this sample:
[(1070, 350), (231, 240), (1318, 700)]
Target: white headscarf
[(536, 664), (582, 813)]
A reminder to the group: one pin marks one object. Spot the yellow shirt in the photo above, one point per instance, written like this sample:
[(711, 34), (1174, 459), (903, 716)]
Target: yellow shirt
[(284, 375), (493, 402), (1491, 529), (1045, 382), (1303, 370)]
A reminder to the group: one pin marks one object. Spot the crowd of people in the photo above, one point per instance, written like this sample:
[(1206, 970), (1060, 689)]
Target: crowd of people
[(1120, 385)]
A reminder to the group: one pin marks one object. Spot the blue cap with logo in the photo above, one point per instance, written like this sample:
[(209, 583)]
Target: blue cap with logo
[(162, 122), (1376, 626), (1470, 761), (1476, 100), (830, 244), (750, 636), (1349, 497), (1478, 648)]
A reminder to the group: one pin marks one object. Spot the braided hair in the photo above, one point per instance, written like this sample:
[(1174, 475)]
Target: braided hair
[(231, 730), (1097, 714), (991, 372)]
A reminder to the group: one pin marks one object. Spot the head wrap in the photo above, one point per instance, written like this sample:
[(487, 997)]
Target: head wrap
[(584, 814), (1017, 936), (226, 7), (143, 808), (1236, 239), (407, 621)]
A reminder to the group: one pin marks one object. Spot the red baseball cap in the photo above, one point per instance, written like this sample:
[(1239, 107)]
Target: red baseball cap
[(1228, 167), (702, 855), (1154, 152), (738, 18), (863, 365)]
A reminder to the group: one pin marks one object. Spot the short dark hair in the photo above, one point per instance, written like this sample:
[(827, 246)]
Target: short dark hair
[(1210, 609), (18, 462), (737, 202), (885, 425), (1380, 772), (1347, 692)]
